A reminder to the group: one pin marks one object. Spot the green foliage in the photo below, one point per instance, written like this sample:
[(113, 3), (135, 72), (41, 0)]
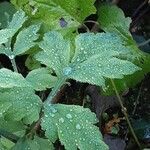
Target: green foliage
[(25, 39), (9, 79), (112, 19), (41, 79), (12, 126), (20, 103), (65, 121), (71, 12), (56, 52), (113, 22), (96, 59), (35, 144), (6, 12), (86, 65)]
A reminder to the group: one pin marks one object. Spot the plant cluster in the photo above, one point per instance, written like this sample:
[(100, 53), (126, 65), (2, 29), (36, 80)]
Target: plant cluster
[(46, 31)]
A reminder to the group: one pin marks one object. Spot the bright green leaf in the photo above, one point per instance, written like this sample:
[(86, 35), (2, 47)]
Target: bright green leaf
[(5, 34), (98, 67), (5, 144), (35, 144), (31, 63), (56, 54), (57, 14), (9, 79), (41, 79), (112, 18), (17, 20), (20, 103), (26, 39), (12, 126), (73, 125), (94, 59)]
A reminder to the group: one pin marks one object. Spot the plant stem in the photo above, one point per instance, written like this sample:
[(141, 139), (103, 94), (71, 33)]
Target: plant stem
[(125, 114), (9, 136), (55, 90), (13, 62)]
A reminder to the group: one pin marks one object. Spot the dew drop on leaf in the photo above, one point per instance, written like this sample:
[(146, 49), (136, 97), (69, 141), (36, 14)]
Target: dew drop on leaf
[(78, 126), (61, 120), (11, 57), (69, 116), (67, 71)]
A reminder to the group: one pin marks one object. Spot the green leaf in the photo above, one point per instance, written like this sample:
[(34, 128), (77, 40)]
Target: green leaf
[(51, 13), (94, 59), (73, 125), (98, 67), (26, 39), (5, 144), (9, 79), (5, 34), (6, 12), (112, 18), (20, 103), (17, 21), (31, 63), (35, 144), (16, 127), (56, 52), (41, 79)]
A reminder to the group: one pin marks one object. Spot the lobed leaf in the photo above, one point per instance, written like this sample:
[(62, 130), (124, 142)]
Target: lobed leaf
[(57, 14), (96, 57), (112, 18), (73, 125), (5, 34), (17, 21), (98, 67), (26, 39), (41, 79), (12, 126), (36, 144), (20, 103), (56, 51), (9, 79)]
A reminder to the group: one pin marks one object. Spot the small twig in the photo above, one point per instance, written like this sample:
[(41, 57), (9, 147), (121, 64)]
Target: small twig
[(124, 110), (137, 100), (12, 137), (13, 62), (139, 8), (135, 22), (51, 97), (144, 43)]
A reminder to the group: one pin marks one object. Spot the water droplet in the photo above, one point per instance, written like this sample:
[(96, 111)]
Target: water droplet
[(54, 110), (67, 71), (52, 115), (11, 56), (69, 116), (60, 131), (78, 126), (78, 59), (61, 120)]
